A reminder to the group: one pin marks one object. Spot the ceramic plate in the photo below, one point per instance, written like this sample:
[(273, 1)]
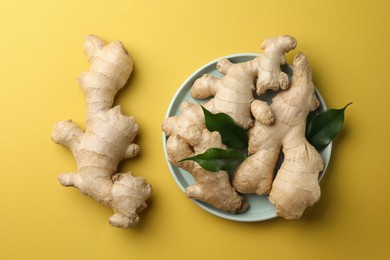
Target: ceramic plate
[(260, 208)]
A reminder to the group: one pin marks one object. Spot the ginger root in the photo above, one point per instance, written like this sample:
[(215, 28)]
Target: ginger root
[(188, 136), (232, 94), (296, 185), (108, 138), (270, 75), (213, 188)]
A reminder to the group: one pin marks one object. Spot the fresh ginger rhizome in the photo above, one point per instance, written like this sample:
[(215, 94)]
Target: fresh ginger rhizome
[(108, 138)]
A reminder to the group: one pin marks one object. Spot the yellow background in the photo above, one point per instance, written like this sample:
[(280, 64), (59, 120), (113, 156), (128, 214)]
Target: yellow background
[(347, 43)]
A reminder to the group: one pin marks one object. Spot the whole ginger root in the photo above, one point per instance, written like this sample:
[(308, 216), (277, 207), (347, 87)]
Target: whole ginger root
[(296, 184), (213, 188), (108, 138), (232, 94), (189, 136)]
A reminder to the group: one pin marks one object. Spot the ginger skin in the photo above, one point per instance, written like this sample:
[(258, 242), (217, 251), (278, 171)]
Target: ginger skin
[(108, 138), (295, 186)]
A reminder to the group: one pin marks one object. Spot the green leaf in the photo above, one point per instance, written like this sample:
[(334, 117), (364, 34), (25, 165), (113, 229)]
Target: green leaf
[(216, 159), (324, 127), (232, 135)]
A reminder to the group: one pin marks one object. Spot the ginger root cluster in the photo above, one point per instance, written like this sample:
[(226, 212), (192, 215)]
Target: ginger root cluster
[(271, 128)]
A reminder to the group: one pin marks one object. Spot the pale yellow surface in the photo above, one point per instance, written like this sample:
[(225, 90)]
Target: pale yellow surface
[(347, 43)]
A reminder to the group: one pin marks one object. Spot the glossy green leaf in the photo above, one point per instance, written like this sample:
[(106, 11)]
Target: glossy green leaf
[(324, 127), (216, 159), (232, 135)]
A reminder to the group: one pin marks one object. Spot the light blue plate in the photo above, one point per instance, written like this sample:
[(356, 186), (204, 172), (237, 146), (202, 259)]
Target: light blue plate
[(260, 208)]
